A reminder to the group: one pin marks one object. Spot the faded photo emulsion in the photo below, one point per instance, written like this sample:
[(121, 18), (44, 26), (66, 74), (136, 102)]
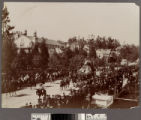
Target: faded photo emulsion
[(70, 55)]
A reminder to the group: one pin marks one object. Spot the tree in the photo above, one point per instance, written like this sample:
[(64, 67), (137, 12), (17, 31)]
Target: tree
[(81, 43), (76, 51), (35, 49), (129, 52), (110, 43), (8, 46), (113, 58), (44, 54), (72, 40), (99, 42), (102, 62), (35, 56), (76, 62), (116, 43), (55, 60), (104, 43), (92, 51), (68, 53), (22, 59)]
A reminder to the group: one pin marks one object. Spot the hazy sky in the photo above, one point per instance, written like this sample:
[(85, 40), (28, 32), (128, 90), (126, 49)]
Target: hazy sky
[(59, 21)]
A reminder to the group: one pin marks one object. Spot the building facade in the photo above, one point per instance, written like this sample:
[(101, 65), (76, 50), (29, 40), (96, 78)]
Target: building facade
[(23, 41)]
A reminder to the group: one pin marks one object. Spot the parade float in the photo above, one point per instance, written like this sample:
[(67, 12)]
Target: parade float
[(100, 99), (103, 100)]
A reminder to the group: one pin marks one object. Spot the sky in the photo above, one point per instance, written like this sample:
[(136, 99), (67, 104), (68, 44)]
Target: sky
[(61, 21)]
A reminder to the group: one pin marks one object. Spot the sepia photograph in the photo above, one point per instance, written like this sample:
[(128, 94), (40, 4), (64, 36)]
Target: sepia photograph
[(70, 55)]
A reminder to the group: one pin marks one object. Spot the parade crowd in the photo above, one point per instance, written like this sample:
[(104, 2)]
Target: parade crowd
[(13, 82), (111, 83)]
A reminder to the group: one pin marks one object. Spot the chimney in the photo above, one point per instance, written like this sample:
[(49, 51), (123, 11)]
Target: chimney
[(25, 32), (18, 34), (35, 34)]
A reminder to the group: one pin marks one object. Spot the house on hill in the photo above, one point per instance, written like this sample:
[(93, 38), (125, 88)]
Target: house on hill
[(106, 53), (23, 41), (73, 45), (103, 53)]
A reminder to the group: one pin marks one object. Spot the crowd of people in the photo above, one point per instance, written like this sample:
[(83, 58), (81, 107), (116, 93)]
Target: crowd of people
[(13, 82), (111, 83)]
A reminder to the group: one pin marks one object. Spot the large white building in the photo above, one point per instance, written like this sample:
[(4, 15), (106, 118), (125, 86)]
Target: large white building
[(106, 53), (23, 41)]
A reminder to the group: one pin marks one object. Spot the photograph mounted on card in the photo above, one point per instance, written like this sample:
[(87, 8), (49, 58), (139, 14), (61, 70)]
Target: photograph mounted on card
[(70, 55)]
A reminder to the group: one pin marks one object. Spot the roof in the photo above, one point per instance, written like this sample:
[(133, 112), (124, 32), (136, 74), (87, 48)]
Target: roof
[(49, 41), (53, 42), (103, 51), (32, 39), (24, 42)]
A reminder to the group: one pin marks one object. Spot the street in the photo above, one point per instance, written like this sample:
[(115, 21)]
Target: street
[(27, 95)]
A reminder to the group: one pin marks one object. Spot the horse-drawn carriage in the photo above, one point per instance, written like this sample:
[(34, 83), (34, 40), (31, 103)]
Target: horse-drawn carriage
[(40, 91)]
